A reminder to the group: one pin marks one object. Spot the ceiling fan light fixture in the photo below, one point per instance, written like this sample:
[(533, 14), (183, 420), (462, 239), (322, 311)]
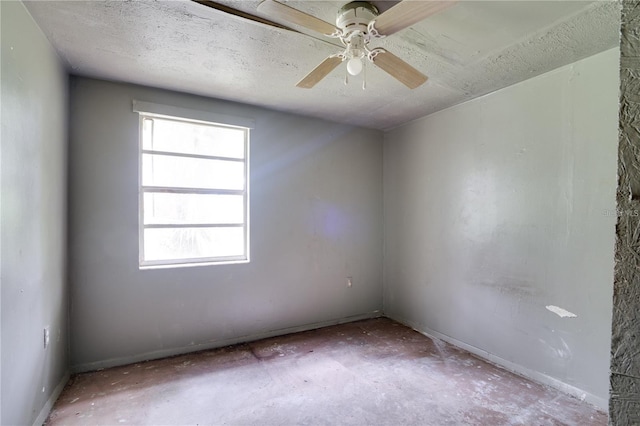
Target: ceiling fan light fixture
[(354, 66)]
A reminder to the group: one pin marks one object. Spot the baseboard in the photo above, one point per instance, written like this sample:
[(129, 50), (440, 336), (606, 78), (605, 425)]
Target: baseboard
[(44, 413), (146, 356), (536, 376)]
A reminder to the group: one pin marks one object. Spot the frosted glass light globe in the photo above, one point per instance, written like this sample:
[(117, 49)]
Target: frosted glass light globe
[(354, 66)]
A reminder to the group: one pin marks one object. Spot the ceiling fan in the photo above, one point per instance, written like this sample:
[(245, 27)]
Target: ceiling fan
[(358, 23)]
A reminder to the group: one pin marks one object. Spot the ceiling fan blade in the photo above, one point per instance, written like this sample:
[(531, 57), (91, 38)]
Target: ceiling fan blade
[(241, 14), (399, 69), (319, 72), (407, 13), (276, 9)]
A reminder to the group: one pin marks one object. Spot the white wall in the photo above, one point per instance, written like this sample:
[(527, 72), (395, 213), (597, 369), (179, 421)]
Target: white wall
[(499, 207), (316, 218), (32, 219)]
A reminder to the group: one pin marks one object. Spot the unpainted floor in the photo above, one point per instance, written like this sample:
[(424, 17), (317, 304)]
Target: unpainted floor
[(372, 372)]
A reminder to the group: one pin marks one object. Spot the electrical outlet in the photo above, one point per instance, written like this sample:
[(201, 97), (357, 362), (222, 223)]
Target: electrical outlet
[(46, 337), (349, 281)]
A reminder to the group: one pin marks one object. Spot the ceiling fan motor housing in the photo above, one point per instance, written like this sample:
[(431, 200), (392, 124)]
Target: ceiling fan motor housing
[(355, 16)]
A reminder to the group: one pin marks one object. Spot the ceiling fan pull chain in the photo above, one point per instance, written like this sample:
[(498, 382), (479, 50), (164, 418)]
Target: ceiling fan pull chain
[(346, 78), (364, 76)]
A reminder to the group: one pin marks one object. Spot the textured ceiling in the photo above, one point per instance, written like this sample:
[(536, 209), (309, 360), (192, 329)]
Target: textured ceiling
[(471, 49)]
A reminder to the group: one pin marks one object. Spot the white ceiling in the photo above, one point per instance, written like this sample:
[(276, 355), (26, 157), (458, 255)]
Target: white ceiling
[(469, 50)]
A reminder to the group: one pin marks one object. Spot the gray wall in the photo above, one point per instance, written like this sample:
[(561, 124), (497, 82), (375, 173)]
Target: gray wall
[(316, 219), (32, 219), (499, 207), (624, 406)]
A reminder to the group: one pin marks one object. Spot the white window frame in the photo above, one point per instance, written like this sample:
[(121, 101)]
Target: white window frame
[(166, 112)]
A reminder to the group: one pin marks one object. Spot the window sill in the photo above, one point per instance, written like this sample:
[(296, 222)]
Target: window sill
[(192, 264)]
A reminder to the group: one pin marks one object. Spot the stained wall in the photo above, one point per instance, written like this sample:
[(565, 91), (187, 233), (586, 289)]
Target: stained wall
[(499, 225)]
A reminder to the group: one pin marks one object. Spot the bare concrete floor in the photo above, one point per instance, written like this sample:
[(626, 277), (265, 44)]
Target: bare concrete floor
[(373, 372)]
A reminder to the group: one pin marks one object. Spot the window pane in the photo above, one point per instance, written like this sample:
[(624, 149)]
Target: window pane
[(163, 208), (192, 243), (183, 172), (193, 138)]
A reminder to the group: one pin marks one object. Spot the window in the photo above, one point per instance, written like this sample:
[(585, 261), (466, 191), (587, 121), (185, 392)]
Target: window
[(193, 191)]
